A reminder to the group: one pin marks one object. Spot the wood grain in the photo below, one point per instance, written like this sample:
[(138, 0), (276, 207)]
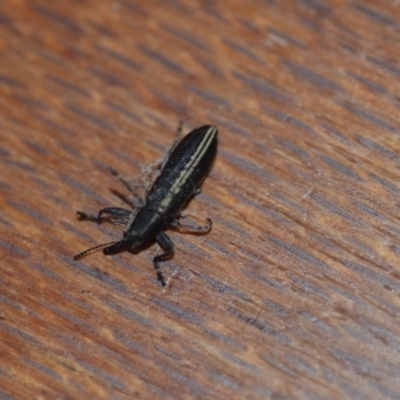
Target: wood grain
[(295, 292)]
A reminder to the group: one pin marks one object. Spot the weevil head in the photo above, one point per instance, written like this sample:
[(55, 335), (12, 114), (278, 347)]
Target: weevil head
[(128, 242)]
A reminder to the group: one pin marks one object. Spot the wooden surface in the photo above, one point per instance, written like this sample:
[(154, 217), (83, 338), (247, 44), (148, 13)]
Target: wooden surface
[(295, 292)]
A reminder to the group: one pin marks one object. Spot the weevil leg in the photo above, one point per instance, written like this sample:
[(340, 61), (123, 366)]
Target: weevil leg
[(116, 215), (137, 200), (87, 217), (166, 244), (191, 227), (125, 199)]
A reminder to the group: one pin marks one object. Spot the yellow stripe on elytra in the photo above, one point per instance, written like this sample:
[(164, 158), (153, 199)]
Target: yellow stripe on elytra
[(186, 172), (191, 165)]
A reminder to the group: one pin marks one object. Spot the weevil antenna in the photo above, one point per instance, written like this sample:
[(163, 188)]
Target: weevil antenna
[(91, 250)]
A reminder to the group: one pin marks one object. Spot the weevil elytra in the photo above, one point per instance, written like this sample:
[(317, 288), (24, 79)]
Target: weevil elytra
[(182, 173)]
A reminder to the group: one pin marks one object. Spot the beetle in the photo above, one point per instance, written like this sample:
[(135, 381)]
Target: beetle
[(182, 172)]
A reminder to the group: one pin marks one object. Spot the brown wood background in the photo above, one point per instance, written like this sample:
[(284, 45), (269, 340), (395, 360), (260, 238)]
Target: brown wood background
[(295, 292)]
